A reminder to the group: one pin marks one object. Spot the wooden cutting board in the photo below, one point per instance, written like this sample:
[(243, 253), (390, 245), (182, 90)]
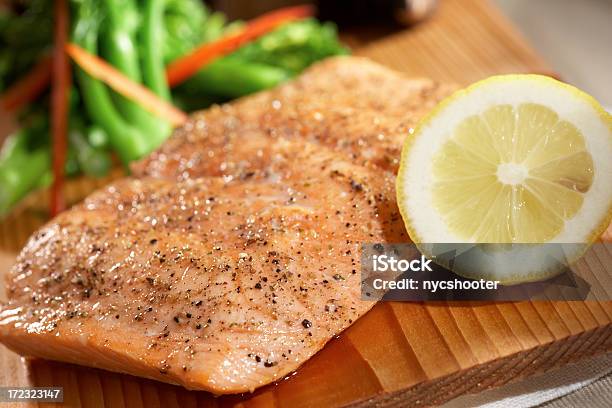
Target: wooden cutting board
[(399, 354)]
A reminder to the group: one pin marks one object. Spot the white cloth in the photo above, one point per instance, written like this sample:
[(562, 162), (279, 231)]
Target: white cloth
[(584, 384)]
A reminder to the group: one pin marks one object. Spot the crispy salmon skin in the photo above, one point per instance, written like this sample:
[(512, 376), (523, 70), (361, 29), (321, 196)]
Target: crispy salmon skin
[(232, 254)]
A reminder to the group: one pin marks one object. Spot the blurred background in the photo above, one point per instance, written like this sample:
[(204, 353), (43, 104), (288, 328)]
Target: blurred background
[(574, 37)]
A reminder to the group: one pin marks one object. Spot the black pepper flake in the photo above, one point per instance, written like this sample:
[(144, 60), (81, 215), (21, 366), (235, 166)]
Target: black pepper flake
[(176, 319), (198, 303), (356, 186), (258, 285), (270, 363), (338, 277), (188, 315), (198, 326), (153, 241), (306, 323)]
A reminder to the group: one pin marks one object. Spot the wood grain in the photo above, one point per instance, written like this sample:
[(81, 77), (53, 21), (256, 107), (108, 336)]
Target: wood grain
[(399, 354)]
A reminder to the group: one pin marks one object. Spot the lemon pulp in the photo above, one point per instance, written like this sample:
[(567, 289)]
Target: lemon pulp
[(511, 174)]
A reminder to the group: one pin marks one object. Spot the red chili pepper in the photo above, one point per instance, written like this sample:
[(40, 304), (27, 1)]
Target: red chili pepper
[(29, 87), (59, 104)]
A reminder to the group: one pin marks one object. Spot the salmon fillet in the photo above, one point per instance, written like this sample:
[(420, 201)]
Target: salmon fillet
[(232, 255)]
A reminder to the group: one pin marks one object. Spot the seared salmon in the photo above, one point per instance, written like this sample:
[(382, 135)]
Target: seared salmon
[(232, 255)]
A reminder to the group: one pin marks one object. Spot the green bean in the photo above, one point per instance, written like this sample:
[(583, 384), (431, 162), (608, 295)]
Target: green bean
[(231, 77), (152, 36), (20, 169), (128, 141), (153, 68), (120, 49)]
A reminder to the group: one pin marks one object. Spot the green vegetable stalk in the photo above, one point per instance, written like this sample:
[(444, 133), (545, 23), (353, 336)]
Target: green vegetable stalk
[(152, 36), (21, 169), (126, 139), (120, 48), (231, 77), (154, 74)]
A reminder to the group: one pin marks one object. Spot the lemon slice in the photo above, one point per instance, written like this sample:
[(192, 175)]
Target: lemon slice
[(510, 159)]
